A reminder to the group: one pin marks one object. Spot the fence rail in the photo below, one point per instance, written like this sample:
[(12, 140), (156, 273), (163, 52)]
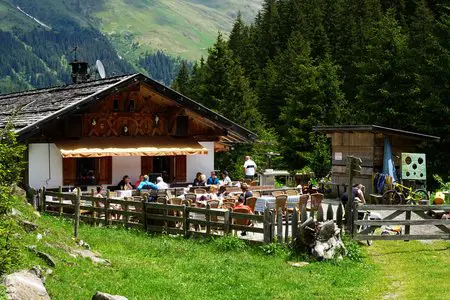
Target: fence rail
[(180, 219)]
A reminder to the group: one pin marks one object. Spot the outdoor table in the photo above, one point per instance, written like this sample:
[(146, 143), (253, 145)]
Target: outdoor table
[(124, 193), (269, 201), (198, 196)]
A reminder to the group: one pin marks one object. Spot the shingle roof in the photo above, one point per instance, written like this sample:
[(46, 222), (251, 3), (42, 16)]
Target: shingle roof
[(28, 110), (33, 106)]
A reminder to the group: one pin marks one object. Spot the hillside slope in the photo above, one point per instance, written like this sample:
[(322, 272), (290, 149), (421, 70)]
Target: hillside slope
[(38, 36)]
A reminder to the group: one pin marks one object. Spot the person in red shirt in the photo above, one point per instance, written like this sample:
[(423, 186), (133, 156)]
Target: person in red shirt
[(137, 183), (242, 208)]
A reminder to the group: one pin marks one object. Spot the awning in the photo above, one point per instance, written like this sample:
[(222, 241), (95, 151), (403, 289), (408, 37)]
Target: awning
[(130, 146)]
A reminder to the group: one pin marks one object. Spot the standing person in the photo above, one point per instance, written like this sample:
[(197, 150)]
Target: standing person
[(147, 185), (125, 183), (212, 180), (358, 192), (161, 184), (249, 168)]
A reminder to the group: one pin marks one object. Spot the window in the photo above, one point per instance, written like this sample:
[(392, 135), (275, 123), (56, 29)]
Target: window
[(87, 171), (131, 106), (116, 104)]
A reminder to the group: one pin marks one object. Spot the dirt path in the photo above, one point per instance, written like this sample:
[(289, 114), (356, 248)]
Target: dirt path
[(412, 270)]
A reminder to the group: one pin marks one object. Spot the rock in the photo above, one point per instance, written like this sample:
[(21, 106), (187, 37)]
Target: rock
[(39, 236), (15, 212), (37, 213), (25, 285), (298, 264), (28, 226), (327, 231), (105, 296), (45, 256), (92, 256)]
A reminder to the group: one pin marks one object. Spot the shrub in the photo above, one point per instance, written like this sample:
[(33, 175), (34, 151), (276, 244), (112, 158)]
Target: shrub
[(230, 243), (273, 249), (354, 251)]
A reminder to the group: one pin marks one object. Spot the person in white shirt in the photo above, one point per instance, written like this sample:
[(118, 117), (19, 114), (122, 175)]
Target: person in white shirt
[(161, 184), (249, 168), (226, 179)]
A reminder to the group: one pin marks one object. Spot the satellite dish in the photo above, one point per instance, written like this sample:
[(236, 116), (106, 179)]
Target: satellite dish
[(100, 69)]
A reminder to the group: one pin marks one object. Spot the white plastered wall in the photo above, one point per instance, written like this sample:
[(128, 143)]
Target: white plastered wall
[(200, 163), (125, 165), (44, 166)]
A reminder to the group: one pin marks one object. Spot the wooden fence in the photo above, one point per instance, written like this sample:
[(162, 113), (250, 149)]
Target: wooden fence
[(181, 219), (361, 228)]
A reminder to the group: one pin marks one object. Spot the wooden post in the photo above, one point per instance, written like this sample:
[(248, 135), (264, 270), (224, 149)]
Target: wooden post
[(77, 213), (125, 210), (286, 229), (330, 212), (349, 206), (311, 213), (272, 224), (165, 213), (42, 199), (304, 214), (108, 194), (279, 226), (208, 219), (294, 223), (226, 220), (60, 200), (185, 222), (320, 214), (144, 213), (407, 227), (266, 225), (339, 216), (354, 217), (94, 205)]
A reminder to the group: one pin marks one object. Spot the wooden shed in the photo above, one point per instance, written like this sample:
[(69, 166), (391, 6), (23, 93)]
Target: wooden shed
[(367, 143)]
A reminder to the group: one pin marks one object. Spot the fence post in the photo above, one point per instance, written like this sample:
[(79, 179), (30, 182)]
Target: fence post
[(339, 215), (407, 227), (165, 213), (354, 217), (294, 221), (185, 222), (77, 213), (226, 220), (266, 225), (330, 212), (304, 214), (94, 205), (42, 198), (125, 210), (208, 219), (320, 214), (60, 201), (272, 224), (108, 194), (279, 226), (144, 214), (286, 229)]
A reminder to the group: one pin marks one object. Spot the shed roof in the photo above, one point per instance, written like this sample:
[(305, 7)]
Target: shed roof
[(376, 129), (31, 109)]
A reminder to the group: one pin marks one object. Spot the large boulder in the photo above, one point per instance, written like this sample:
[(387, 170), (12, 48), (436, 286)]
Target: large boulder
[(25, 285), (105, 296)]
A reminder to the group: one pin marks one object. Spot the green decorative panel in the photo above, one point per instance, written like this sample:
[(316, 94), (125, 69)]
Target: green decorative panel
[(414, 166)]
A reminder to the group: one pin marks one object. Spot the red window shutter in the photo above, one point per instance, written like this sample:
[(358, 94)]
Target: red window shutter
[(69, 171), (146, 165), (104, 170), (180, 168)]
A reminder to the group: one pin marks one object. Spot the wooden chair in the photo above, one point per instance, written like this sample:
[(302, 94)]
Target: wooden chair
[(316, 201), (186, 202), (214, 203), (191, 196), (251, 202), (176, 201), (280, 204), (291, 193), (277, 193), (161, 200), (228, 203), (302, 200), (254, 183), (200, 191)]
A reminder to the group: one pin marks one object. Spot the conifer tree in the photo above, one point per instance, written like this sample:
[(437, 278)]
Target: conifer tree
[(182, 80)]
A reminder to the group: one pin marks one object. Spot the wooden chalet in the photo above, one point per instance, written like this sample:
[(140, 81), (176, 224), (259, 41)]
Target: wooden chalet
[(367, 143), (125, 125)]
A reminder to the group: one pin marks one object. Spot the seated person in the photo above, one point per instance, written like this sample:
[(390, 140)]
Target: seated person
[(357, 191), (161, 184), (100, 192), (146, 185), (226, 179), (141, 178), (240, 205), (200, 180), (212, 180), (246, 193), (125, 183)]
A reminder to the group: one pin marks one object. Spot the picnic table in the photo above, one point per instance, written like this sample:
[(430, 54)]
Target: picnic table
[(269, 201)]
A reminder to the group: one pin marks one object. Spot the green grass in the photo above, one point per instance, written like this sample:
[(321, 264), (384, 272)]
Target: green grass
[(412, 270), (166, 267)]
